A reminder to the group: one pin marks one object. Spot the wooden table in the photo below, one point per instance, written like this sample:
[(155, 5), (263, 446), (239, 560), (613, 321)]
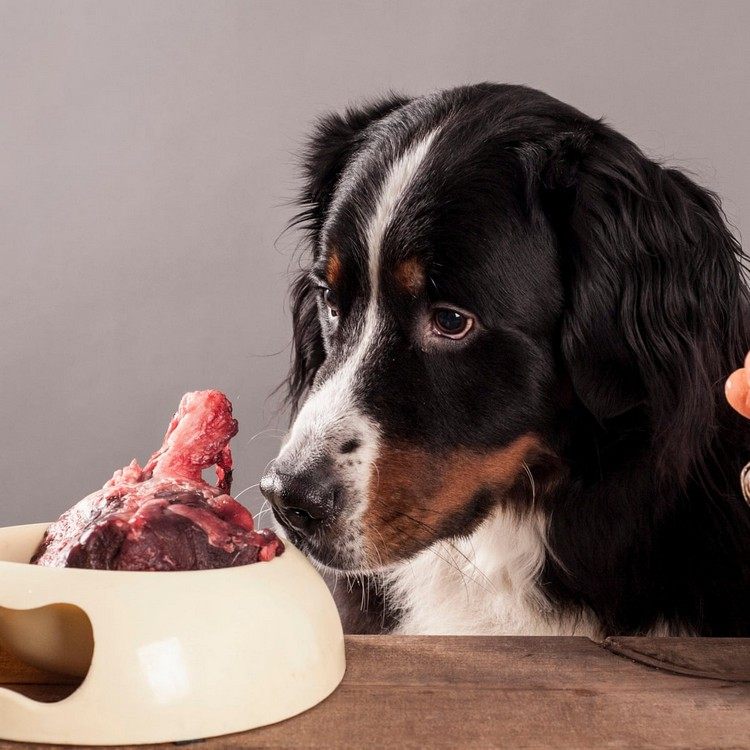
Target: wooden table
[(417, 692)]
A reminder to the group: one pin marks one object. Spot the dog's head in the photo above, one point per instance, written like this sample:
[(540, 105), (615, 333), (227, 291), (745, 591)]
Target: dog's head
[(485, 262)]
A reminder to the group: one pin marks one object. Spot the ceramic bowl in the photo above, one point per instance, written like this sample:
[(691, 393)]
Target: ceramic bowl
[(165, 656)]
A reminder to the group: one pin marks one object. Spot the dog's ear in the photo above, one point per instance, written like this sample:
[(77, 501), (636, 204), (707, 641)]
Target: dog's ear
[(334, 141), (655, 303)]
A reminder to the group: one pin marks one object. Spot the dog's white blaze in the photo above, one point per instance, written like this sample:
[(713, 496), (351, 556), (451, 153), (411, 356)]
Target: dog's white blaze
[(394, 187), (329, 415), (482, 585)]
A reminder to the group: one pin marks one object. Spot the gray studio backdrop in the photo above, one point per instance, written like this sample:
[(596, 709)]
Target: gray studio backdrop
[(147, 164)]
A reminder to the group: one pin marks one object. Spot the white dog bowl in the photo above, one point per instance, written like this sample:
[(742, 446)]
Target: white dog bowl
[(166, 656)]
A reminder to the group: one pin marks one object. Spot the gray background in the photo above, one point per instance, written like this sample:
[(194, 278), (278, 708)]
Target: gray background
[(147, 165)]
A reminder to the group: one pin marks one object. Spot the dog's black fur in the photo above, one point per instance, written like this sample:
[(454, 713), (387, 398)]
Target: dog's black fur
[(627, 286)]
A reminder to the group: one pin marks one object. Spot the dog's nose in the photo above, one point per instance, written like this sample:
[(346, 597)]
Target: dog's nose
[(302, 500)]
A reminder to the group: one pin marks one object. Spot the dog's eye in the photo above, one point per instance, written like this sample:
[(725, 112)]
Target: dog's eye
[(450, 323), (330, 299)]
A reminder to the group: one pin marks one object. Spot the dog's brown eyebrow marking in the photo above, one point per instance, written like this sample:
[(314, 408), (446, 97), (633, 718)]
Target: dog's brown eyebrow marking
[(410, 276), (333, 267)]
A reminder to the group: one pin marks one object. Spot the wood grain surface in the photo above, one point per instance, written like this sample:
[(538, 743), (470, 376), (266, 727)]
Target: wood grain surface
[(715, 658), (497, 692)]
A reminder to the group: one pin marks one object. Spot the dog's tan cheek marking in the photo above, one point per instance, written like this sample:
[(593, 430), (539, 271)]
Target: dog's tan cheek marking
[(410, 276), (413, 492), (333, 267)]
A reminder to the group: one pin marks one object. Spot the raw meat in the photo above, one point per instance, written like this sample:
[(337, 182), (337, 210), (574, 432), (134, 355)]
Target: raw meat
[(164, 516)]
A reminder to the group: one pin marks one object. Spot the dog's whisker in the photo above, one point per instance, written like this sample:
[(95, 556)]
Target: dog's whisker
[(527, 469), (377, 471), (263, 509), (280, 433), (251, 487)]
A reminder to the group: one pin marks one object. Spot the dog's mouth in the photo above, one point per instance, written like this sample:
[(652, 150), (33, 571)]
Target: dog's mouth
[(347, 547), (335, 546)]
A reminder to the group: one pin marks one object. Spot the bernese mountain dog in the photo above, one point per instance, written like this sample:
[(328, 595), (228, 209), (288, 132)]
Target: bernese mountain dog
[(510, 343)]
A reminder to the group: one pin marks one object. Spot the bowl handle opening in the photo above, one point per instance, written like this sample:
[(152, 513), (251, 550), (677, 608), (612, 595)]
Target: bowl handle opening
[(55, 638)]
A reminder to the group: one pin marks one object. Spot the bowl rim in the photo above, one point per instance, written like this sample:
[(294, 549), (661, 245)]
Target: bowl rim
[(28, 566)]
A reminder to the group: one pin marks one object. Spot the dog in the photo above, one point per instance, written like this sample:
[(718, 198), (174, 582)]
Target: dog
[(509, 346)]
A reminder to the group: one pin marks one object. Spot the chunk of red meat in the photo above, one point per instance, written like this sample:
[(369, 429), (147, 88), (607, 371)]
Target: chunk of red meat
[(164, 516)]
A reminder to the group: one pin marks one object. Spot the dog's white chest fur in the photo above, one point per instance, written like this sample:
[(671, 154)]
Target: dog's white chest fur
[(482, 585)]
